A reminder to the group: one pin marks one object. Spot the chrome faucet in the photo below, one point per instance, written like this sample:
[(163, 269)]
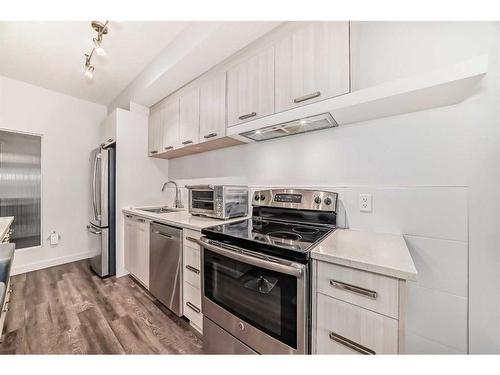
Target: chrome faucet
[(177, 202)]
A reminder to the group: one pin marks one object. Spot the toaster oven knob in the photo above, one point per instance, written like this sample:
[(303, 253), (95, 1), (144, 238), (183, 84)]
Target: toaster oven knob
[(328, 201), (257, 197), (317, 200), (262, 197)]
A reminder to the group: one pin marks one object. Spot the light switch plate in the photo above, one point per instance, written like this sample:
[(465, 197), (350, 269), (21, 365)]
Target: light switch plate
[(54, 239), (365, 203)]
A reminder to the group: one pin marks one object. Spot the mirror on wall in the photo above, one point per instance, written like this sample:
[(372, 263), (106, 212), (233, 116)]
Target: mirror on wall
[(20, 186)]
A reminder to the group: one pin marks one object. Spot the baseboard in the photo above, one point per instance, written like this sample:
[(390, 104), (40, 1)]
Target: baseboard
[(49, 263)]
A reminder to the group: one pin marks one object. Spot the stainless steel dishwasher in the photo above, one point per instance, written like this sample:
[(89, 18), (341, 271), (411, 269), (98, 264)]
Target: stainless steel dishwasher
[(165, 266)]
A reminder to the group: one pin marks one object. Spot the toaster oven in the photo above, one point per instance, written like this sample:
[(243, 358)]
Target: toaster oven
[(218, 201)]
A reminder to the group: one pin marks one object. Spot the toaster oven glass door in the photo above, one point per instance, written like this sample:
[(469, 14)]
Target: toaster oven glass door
[(202, 200)]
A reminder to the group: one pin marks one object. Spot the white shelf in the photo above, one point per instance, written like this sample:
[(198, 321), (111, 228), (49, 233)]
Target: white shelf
[(438, 88)]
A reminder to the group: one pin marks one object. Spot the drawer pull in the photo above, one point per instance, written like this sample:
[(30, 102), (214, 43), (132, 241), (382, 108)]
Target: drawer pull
[(192, 269), (211, 135), (248, 115), (193, 307), (128, 216), (169, 148), (354, 289), (191, 239), (187, 142), (350, 344), (141, 220), (307, 97), (154, 152), (6, 307)]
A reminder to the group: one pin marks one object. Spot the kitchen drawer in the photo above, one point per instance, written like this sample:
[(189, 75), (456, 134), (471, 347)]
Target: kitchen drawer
[(343, 328), (355, 286), (192, 305), (192, 266), (193, 234)]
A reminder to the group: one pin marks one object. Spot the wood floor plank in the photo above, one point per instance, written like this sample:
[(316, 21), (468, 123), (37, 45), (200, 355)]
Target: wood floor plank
[(67, 309)]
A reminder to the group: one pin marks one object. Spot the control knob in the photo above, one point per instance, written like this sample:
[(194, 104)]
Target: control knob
[(317, 200), (328, 201), (257, 197), (262, 197)]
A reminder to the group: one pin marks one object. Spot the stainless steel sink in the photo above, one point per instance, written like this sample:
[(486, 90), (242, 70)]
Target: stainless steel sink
[(159, 210)]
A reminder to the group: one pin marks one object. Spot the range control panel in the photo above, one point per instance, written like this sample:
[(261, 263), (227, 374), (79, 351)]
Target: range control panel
[(296, 198)]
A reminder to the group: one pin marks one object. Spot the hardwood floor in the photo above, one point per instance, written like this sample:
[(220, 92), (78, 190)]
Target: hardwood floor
[(68, 310)]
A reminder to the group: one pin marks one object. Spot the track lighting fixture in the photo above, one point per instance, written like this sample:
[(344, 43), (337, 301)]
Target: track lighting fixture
[(101, 29), (89, 69)]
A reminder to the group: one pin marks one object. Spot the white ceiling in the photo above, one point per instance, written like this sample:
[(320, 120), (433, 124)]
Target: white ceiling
[(51, 54)]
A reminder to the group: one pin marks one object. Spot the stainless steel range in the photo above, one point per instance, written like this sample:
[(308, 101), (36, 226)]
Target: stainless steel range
[(256, 273)]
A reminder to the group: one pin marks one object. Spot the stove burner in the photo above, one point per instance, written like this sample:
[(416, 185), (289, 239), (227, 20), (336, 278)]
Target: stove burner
[(285, 235), (305, 230), (286, 245)]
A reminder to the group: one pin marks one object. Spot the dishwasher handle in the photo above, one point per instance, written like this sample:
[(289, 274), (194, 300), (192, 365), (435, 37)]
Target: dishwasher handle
[(163, 234)]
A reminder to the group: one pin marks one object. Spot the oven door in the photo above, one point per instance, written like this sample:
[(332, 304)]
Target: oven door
[(202, 201), (261, 301)]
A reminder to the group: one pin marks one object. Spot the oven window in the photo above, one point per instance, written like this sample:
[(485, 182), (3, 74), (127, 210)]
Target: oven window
[(264, 298), (202, 199)]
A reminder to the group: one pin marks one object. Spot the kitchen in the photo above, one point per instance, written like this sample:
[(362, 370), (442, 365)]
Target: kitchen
[(235, 194)]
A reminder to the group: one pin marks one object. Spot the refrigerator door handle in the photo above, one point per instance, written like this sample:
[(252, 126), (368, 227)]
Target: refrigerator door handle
[(94, 177)]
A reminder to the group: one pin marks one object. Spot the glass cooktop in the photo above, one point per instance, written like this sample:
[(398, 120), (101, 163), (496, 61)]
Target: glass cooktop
[(290, 240)]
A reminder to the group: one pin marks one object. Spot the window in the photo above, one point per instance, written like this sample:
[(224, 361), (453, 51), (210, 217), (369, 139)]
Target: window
[(20, 186)]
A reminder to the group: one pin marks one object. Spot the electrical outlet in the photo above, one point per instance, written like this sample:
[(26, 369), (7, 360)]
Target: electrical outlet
[(365, 202)]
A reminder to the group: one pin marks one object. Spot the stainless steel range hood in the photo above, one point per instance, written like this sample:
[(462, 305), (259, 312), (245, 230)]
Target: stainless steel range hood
[(298, 126)]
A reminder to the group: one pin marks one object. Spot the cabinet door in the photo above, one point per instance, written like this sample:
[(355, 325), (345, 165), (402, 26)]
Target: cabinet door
[(189, 117), (250, 88), (171, 124), (213, 108), (130, 244), (312, 64), (155, 132), (142, 254)]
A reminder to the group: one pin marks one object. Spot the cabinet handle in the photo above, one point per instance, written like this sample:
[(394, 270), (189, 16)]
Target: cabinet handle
[(248, 115), (350, 344), (6, 307), (353, 289), (154, 152), (110, 140), (187, 142), (192, 269), (169, 147), (307, 97), (128, 216), (211, 135), (193, 307), (191, 239), (141, 220)]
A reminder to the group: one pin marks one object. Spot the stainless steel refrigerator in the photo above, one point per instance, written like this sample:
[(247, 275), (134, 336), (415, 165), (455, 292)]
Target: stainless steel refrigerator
[(102, 221)]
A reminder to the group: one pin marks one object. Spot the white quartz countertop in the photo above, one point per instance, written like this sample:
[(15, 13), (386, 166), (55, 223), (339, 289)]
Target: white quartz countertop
[(382, 253), (181, 219), (5, 223)]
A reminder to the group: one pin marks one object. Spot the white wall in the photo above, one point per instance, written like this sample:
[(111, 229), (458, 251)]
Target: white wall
[(427, 171), (69, 129), (139, 178)]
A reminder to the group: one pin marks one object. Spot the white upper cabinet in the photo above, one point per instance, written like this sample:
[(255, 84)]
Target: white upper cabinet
[(250, 92), (213, 108), (189, 117), (171, 124), (312, 64), (155, 131)]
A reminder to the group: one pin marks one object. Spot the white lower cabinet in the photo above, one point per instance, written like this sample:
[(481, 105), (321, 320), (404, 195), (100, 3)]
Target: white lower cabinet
[(136, 246), (191, 284), (356, 312)]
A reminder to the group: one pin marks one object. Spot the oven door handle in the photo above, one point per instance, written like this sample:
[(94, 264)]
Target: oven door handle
[(289, 268)]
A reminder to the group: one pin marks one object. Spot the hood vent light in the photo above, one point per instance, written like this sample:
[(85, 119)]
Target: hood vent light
[(304, 125)]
